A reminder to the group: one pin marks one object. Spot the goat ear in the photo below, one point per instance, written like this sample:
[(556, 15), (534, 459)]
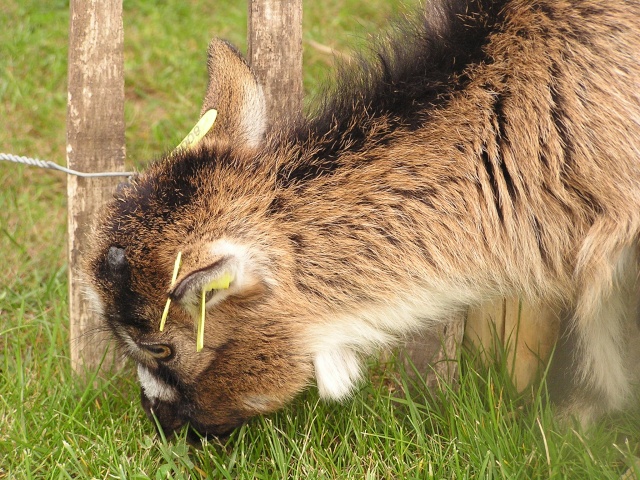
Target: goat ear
[(219, 270), (237, 96)]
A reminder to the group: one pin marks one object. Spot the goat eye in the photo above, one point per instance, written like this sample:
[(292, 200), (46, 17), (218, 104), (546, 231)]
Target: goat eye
[(159, 351)]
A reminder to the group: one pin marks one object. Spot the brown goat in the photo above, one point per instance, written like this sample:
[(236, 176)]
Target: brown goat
[(492, 149)]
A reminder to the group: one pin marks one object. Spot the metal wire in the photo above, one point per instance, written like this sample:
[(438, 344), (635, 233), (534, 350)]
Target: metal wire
[(34, 162)]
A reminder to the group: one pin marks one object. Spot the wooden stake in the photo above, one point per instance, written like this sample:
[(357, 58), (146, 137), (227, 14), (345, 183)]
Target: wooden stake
[(433, 355), (95, 142), (525, 333), (275, 54)]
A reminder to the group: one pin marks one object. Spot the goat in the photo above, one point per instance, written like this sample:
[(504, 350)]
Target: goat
[(490, 149)]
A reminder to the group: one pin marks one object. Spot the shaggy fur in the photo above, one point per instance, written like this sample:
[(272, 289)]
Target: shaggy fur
[(491, 150)]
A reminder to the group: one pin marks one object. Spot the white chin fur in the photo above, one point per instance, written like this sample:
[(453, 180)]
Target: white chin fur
[(92, 296), (154, 388), (337, 372)]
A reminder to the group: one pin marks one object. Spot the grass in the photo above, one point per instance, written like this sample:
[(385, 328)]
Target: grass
[(52, 425)]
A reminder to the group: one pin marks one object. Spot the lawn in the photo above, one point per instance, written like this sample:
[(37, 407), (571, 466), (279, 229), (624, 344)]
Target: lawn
[(53, 425)]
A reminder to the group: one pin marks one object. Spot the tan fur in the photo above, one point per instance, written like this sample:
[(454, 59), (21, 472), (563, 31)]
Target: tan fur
[(487, 199)]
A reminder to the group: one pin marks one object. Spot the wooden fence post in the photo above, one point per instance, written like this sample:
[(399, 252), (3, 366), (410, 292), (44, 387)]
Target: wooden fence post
[(95, 142), (523, 332), (275, 54)]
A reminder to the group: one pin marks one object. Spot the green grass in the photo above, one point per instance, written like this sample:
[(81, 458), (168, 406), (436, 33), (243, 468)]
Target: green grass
[(53, 425)]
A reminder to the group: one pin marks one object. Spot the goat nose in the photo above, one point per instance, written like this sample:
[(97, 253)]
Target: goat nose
[(166, 417)]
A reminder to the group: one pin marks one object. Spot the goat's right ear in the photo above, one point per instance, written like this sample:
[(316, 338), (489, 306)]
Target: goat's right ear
[(237, 96), (220, 268)]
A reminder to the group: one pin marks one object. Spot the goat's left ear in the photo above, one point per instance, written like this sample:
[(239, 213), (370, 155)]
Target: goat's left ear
[(219, 270), (235, 93)]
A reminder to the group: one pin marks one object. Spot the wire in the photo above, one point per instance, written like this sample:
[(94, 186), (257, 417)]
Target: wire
[(34, 162)]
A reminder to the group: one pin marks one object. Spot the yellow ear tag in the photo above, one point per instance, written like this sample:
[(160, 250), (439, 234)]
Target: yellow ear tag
[(220, 283), (176, 267), (198, 132)]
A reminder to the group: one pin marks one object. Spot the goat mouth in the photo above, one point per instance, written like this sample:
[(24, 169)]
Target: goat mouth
[(196, 434), (172, 418)]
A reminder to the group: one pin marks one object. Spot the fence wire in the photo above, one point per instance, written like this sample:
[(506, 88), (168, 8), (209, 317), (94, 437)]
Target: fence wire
[(35, 162)]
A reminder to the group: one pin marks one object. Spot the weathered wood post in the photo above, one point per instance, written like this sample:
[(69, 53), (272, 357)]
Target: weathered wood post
[(275, 54), (523, 332), (433, 355), (95, 142)]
